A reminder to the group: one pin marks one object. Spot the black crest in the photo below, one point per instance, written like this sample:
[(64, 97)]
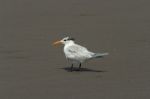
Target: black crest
[(71, 38)]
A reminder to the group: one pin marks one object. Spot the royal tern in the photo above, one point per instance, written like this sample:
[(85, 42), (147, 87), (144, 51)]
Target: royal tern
[(77, 53)]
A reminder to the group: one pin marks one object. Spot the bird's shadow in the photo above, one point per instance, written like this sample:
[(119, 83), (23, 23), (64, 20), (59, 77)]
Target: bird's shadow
[(68, 69)]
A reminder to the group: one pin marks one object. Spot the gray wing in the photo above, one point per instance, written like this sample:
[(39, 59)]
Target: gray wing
[(79, 51)]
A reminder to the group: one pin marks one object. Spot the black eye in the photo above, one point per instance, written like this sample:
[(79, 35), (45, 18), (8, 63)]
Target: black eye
[(65, 40)]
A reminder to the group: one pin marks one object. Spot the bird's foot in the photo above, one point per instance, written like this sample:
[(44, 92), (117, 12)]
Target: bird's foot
[(71, 69)]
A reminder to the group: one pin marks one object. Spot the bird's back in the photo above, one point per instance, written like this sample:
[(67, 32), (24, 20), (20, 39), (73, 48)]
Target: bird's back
[(77, 52)]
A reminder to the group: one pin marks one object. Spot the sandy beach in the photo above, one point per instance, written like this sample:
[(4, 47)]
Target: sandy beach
[(31, 68)]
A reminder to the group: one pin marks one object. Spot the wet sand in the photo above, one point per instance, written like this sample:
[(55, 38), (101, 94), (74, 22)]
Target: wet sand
[(30, 68)]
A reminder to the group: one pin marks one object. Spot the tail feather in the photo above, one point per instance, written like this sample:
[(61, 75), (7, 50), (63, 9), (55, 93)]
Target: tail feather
[(100, 55)]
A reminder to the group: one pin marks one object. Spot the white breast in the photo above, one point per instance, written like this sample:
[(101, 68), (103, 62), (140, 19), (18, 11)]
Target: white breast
[(76, 52)]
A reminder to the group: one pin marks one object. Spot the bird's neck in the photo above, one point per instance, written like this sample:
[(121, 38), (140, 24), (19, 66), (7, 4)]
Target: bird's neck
[(69, 43)]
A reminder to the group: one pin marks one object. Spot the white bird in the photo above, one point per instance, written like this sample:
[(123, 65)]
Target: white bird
[(77, 53)]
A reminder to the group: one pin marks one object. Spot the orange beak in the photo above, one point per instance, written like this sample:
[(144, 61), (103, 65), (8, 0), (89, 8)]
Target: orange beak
[(57, 43)]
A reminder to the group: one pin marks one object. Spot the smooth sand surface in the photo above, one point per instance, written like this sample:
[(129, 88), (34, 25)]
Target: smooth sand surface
[(30, 68)]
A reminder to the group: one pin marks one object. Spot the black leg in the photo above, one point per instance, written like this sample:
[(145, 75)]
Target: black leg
[(71, 67), (79, 66)]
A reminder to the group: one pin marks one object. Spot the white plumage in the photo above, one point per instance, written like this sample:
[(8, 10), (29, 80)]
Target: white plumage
[(77, 53)]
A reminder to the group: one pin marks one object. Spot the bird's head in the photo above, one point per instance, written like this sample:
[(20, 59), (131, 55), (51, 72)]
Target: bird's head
[(65, 40)]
